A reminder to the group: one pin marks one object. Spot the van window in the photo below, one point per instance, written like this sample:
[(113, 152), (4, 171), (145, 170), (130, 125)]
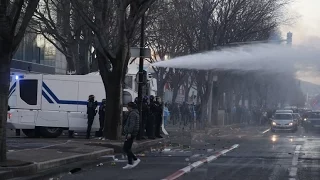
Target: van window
[(29, 91)]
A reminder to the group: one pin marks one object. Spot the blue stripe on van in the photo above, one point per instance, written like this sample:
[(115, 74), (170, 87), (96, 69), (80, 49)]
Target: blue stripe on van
[(12, 93), (12, 89), (44, 94), (56, 99)]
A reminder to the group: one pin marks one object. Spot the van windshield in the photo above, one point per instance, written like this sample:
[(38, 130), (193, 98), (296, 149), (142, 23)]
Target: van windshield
[(283, 116)]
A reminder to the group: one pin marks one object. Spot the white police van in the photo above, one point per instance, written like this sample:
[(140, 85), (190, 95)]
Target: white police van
[(46, 105)]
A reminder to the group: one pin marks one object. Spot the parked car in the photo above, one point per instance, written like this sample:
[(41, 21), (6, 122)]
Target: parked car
[(284, 122)]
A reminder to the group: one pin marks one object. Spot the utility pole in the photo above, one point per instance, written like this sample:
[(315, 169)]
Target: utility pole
[(140, 82), (289, 38)]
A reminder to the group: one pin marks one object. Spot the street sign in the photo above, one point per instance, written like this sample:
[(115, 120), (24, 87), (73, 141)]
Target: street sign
[(144, 80), (135, 52)]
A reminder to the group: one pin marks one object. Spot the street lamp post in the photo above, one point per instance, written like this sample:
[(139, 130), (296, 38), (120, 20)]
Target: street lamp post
[(140, 85)]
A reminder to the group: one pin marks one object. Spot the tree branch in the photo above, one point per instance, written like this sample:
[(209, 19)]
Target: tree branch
[(31, 8)]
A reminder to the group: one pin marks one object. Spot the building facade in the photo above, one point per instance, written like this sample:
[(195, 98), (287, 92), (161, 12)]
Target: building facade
[(37, 55)]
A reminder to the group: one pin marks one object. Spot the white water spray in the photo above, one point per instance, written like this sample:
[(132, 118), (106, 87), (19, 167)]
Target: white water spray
[(269, 58)]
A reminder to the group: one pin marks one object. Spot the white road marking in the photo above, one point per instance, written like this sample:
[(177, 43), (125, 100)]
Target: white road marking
[(197, 164), (266, 131), (293, 170)]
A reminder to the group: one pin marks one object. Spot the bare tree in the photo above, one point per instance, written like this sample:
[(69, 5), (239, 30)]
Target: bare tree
[(57, 21), (163, 38), (113, 25), (14, 19), (207, 24)]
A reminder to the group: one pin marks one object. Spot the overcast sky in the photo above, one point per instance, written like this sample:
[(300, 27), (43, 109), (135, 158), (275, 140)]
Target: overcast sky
[(305, 29), (307, 25)]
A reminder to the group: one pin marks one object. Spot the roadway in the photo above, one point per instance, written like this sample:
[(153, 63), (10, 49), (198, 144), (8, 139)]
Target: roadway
[(261, 155)]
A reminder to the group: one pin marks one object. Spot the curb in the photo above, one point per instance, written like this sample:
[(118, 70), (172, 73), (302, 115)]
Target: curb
[(197, 164), (37, 167), (138, 147)]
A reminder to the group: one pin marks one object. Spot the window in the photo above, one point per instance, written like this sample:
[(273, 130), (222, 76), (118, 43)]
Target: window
[(283, 116), (29, 91), (126, 98)]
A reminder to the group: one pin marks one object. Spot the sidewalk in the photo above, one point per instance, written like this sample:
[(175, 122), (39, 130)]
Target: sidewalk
[(185, 136), (24, 162)]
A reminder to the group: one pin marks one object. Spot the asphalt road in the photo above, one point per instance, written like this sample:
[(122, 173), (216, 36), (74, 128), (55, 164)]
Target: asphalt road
[(260, 156)]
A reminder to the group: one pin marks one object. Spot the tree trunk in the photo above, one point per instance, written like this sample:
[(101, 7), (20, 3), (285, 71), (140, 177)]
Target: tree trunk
[(175, 94), (70, 63), (83, 58), (160, 90), (113, 119), (203, 110), (4, 92), (186, 93)]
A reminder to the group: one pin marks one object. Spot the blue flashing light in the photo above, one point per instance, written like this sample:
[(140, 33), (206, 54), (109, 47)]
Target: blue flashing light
[(19, 77)]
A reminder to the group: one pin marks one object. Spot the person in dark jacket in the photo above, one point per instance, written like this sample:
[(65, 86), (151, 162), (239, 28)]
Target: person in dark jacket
[(145, 112), (131, 130), (158, 117), (151, 118), (102, 113), (91, 112)]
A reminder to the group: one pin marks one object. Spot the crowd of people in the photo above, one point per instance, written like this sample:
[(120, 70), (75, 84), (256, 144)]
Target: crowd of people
[(152, 112), (183, 114)]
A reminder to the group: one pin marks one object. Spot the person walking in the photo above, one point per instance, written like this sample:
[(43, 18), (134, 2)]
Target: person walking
[(131, 130), (91, 112)]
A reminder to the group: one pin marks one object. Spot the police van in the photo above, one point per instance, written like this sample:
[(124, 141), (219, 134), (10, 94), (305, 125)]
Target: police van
[(45, 105)]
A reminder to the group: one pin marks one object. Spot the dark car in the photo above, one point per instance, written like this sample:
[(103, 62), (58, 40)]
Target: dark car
[(312, 121)]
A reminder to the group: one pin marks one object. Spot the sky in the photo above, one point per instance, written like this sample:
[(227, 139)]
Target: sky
[(306, 24), (306, 29)]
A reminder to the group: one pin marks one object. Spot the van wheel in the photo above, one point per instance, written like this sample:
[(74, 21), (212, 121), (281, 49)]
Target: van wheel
[(50, 132), (31, 133)]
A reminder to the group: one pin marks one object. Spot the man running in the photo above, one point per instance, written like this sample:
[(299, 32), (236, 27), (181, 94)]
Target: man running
[(131, 130)]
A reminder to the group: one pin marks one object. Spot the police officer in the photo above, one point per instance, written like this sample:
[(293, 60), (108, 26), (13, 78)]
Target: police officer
[(151, 118), (136, 101), (91, 112), (145, 112), (102, 112), (158, 117)]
